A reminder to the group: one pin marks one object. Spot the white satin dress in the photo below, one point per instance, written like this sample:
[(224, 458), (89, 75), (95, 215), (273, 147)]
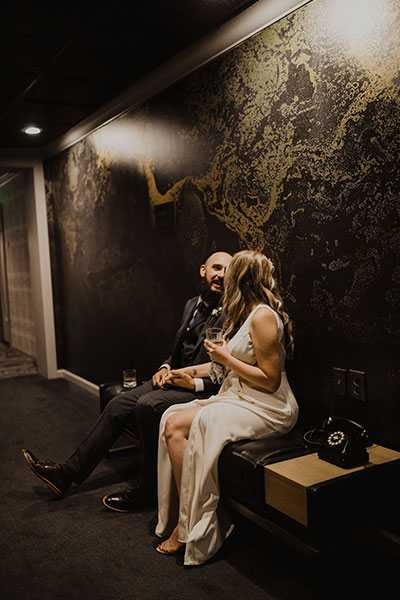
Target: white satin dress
[(239, 411)]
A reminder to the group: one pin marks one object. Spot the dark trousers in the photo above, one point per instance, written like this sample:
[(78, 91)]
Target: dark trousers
[(143, 405)]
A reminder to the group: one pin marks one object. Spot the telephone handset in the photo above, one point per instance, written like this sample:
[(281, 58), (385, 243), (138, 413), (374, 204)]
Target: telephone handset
[(342, 442)]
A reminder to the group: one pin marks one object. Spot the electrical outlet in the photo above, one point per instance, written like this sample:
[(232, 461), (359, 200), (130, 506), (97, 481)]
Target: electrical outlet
[(357, 385), (339, 381)]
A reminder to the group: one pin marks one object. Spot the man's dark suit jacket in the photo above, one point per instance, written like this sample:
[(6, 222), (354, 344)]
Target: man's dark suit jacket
[(199, 356)]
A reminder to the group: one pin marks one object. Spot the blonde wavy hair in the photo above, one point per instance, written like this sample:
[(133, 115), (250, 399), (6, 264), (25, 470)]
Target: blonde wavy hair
[(248, 281)]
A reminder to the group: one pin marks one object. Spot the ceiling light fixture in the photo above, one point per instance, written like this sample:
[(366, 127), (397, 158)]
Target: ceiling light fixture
[(32, 130)]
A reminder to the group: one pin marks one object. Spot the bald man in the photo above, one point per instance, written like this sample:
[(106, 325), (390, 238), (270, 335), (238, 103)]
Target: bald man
[(145, 404)]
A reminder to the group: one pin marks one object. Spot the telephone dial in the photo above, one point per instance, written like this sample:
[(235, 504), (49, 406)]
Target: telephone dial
[(341, 442)]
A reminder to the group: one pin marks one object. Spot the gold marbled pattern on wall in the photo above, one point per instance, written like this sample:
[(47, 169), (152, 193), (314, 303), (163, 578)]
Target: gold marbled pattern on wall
[(290, 144)]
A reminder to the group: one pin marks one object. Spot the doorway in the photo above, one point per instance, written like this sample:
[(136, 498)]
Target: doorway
[(31, 177), (5, 333), (17, 320)]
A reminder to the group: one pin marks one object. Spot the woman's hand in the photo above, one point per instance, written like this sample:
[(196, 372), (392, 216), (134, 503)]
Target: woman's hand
[(180, 378), (219, 354)]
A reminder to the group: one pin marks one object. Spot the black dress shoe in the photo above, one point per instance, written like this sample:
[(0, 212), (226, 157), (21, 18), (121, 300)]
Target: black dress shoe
[(52, 474), (130, 499)]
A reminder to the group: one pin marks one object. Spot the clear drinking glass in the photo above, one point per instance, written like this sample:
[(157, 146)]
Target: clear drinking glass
[(217, 371), (129, 378), (215, 335)]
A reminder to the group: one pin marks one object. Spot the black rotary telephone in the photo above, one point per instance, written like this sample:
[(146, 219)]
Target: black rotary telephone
[(341, 442)]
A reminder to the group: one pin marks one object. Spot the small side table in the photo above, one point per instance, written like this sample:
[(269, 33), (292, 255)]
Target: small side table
[(321, 496)]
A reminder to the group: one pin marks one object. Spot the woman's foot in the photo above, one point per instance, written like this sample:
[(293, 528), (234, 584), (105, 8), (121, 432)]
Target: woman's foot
[(172, 545)]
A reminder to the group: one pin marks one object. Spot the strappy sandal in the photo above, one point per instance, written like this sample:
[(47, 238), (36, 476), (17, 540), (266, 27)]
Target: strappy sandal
[(163, 550)]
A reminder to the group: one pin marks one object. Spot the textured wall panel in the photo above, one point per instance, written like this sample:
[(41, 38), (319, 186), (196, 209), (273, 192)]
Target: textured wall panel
[(290, 144)]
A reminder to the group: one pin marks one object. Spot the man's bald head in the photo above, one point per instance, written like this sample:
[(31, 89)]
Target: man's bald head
[(222, 258), (213, 272)]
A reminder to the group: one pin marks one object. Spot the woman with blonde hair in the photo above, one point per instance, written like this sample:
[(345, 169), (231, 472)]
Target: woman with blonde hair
[(255, 400)]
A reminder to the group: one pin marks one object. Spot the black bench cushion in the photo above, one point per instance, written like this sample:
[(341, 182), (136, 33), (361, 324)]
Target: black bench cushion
[(241, 465)]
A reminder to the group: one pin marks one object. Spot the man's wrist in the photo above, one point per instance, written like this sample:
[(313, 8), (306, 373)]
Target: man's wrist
[(198, 384)]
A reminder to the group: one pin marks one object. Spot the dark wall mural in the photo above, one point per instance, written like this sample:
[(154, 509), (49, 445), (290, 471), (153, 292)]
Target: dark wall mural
[(288, 144)]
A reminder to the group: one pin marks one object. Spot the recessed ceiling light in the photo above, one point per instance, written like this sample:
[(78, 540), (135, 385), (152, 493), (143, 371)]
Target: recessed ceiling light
[(32, 130)]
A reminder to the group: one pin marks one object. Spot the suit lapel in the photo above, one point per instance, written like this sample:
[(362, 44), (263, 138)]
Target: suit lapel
[(203, 319), (201, 323), (190, 307), (202, 316)]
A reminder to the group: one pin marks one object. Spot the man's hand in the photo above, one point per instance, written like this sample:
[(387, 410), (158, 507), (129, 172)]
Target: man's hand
[(180, 378), (159, 378)]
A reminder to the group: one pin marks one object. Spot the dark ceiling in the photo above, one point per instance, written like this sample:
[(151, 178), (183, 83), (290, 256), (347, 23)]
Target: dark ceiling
[(62, 61)]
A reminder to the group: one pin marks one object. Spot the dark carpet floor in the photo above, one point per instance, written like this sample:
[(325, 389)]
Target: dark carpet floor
[(75, 548)]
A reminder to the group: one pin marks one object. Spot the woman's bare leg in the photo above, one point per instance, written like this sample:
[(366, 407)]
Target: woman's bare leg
[(177, 429)]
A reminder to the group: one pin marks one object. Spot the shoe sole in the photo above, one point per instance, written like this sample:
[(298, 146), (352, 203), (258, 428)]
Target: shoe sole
[(112, 508), (50, 485)]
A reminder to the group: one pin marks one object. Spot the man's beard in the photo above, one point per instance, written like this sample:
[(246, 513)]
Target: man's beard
[(208, 295)]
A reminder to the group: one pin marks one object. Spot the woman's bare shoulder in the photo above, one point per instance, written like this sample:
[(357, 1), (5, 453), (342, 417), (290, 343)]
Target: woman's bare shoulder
[(264, 314), (263, 319)]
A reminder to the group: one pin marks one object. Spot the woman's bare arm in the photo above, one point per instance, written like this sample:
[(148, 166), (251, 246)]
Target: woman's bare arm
[(264, 334)]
